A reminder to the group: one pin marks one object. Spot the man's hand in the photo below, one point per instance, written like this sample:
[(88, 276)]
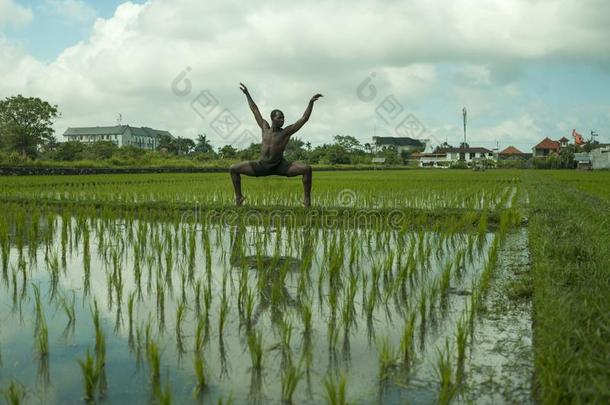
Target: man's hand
[(243, 88), (315, 98)]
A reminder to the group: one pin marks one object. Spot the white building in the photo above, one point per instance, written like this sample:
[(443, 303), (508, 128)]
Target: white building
[(600, 158), (121, 135), (443, 157)]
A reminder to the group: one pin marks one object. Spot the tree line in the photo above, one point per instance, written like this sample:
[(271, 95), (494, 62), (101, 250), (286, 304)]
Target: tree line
[(26, 134)]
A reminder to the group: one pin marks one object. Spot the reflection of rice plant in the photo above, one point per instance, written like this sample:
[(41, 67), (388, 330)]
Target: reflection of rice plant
[(291, 376), (335, 390), (15, 393)]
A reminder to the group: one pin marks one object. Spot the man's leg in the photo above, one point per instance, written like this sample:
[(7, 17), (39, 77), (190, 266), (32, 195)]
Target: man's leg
[(302, 169), (236, 171)]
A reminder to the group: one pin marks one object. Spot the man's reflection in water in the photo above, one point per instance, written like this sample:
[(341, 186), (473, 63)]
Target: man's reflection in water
[(271, 274)]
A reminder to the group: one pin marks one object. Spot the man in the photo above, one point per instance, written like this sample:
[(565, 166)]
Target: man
[(272, 162)]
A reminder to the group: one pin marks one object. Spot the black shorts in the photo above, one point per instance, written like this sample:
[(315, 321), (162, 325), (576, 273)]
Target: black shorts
[(262, 168)]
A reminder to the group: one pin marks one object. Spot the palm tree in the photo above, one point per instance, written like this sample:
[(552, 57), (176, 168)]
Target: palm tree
[(203, 144)]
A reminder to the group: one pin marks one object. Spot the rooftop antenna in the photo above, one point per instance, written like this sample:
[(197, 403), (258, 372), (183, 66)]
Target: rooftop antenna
[(119, 119), (594, 134)]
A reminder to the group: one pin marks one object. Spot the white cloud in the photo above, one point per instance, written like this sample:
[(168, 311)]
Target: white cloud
[(286, 54), (14, 14), (73, 10)]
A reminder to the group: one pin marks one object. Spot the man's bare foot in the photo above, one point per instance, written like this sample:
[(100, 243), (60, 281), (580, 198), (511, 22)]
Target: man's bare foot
[(240, 200)]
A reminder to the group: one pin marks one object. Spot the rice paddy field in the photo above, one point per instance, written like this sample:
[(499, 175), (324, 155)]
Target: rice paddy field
[(395, 287)]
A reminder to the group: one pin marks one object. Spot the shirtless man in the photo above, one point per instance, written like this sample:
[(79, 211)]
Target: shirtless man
[(272, 162)]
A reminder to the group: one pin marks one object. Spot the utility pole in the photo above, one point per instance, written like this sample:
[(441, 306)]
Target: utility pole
[(464, 114)]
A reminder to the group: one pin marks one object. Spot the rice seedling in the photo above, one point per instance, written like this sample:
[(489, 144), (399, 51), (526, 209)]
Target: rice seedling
[(388, 359), (444, 372), (91, 373), (255, 344), (164, 395), (154, 363), (461, 338), (222, 316), (291, 376), (180, 313), (336, 390), (406, 341), (200, 373), (15, 394)]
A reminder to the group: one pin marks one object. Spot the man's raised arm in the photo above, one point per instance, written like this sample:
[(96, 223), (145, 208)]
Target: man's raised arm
[(291, 129), (257, 114)]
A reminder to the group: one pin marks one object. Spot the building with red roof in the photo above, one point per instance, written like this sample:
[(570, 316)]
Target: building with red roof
[(546, 147), (512, 153)]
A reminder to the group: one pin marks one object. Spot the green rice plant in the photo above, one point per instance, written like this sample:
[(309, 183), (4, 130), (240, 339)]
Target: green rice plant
[(15, 393), (461, 338), (445, 283), (444, 372), (250, 300), (388, 358), (69, 308), (406, 341), (255, 344), (336, 390), (306, 317), (200, 373), (180, 313), (291, 376), (164, 395), (91, 374), (222, 316), (130, 306), (200, 335), (41, 334), (154, 363), (422, 309)]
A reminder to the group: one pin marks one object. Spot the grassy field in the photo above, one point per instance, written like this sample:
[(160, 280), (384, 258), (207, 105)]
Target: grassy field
[(157, 285)]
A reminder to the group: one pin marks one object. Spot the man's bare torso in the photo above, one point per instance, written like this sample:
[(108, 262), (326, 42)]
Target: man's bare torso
[(273, 144)]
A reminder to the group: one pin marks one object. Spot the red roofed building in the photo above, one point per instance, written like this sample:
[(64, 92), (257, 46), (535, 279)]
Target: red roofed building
[(546, 148), (512, 153)]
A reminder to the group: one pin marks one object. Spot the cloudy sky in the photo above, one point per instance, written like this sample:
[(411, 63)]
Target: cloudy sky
[(524, 69)]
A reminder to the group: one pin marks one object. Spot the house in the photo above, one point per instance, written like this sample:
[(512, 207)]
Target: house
[(512, 153), (547, 147), (466, 154), (121, 135), (431, 159), (400, 143), (600, 157), (444, 157)]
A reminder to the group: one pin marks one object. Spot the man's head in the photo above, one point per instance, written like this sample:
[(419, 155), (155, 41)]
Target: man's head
[(277, 119)]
